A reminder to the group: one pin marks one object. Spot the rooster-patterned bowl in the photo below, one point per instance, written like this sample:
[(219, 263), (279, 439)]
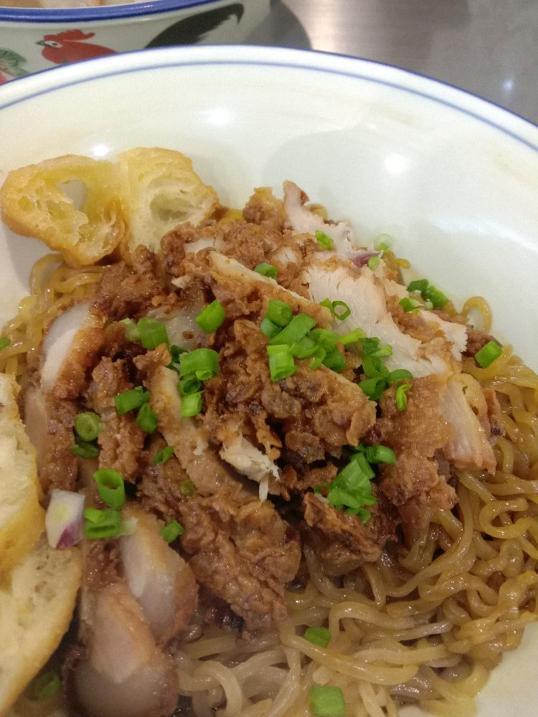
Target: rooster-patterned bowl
[(33, 39)]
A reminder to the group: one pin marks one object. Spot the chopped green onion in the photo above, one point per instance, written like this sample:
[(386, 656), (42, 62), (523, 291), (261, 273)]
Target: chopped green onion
[(211, 317), (383, 242), (325, 338), (281, 363), (373, 366), (279, 313), (266, 269), (435, 296), (327, 701), (489, 353), (373, 262), (304, 348), (317, 636), (419, 285), (131, 399), (110, 487), (99, 524), (163, 455), (4, 342), (399, 374), (373, 387), (379, 454), (334, 308), (146, 419), (352, 338), (189, 384), (324, 240), (45, 685), (187, 488), (297, 328), (175, 352), (327, 303), (131, 330), (408, 304), (171, 531), (370, 346), (269, 328), (203, 363), (85, 450), (318, 359), (87, 426), (352, 486), (152, 333), (335, 360), (401, 396), (191, 405)]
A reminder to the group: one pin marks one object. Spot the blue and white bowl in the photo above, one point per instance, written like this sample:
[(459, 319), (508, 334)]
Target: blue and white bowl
[(33, 39)]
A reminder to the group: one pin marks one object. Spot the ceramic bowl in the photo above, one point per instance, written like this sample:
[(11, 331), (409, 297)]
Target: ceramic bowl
[(33, 39), (452, 178)]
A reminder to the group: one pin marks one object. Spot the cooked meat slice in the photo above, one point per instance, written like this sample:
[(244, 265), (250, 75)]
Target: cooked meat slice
[(130, 290), (414, 479), (246, 292), (342, 542), (121, 440), (123, 673), (304, 221), (160, 580), (367, 297), (181, 325), (244, 553), (49, 423), (248, 460), (465, 408), (422, 427), (265, 209), (70, 349)]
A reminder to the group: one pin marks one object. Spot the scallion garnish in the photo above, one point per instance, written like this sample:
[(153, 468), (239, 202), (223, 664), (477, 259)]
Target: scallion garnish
[(110, 487), (266, 269), (325, 338), (187, 488), (327, 701), (4, 342), (146, 418), (488, 354), (85, 450), (268, 328), (352, 489), (296, 329), (383, 242), (335, 360), (279, 312), (163, 455), (281, 363), (399, 374), (373, 262), (419, 285), (175, 352), (317, 636), (131, 399), (45, 685), (379, 454), (203, 363), (304, 348), (191, 405), (339, 309), (171, 531), (211, 317), (401, 396), (318, 359), (353, 337), (374, 366), (87, 426), (408, 304), (428, 292), (373, 387), (152, 333), (189, 384), (99, 524), (324, 241), (131, 330)]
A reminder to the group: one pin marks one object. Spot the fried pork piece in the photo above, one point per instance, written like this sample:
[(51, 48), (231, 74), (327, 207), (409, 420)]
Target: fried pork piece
[(120, 439), (240, 548), (342, 542)]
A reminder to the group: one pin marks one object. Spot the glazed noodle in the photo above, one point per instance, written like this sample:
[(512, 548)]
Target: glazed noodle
[(439, 617), (424, 624)]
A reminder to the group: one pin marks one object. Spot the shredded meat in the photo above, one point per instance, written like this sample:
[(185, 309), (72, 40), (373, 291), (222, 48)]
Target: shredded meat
[(121, 440), (342, 542), (130, 290), (84, 353)]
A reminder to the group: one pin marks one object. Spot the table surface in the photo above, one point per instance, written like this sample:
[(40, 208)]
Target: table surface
[(489, 47)]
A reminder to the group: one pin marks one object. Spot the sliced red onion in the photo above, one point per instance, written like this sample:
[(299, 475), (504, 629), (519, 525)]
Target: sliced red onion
[(63, 521), (362, 259)]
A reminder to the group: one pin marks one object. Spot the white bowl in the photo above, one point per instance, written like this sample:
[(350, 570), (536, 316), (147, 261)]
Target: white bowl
[(33, 39), (451, 177)]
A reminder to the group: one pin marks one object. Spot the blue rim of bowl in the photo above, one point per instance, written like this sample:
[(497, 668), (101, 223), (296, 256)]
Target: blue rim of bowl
[(96, 14), (257, 60)]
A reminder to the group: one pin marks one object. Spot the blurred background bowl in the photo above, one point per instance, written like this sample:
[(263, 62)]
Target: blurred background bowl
[(33, 39)]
